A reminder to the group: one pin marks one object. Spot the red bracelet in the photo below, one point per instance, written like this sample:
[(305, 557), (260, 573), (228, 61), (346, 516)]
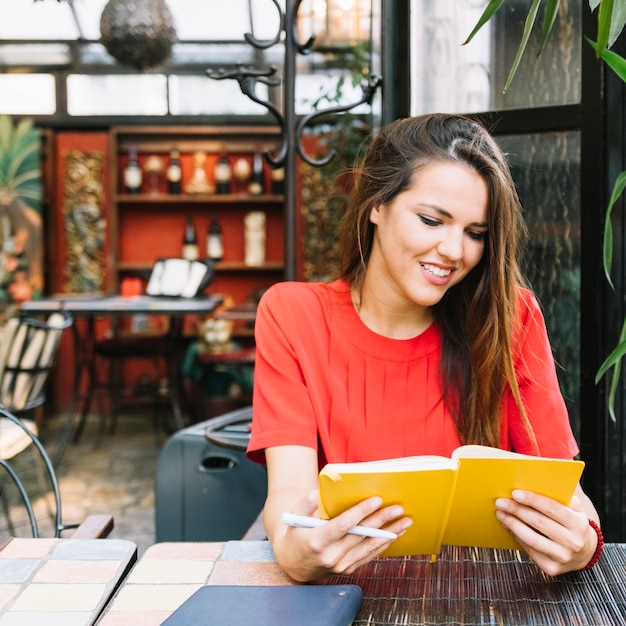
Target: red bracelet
[(598, 553)]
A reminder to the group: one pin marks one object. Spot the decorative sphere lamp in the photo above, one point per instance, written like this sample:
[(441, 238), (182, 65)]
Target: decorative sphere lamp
[(138, 33)]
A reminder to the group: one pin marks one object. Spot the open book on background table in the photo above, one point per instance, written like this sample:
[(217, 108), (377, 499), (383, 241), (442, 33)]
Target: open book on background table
[(451, 500)]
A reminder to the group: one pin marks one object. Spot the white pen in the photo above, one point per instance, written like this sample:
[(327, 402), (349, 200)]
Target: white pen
[(303, 521)]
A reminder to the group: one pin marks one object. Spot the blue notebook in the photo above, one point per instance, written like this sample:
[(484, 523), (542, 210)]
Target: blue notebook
[(313, 605)]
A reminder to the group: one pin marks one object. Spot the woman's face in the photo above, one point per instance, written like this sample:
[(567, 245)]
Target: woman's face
[(430, 236)]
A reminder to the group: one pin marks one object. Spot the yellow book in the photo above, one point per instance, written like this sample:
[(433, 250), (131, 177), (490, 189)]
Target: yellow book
[(451, 500)]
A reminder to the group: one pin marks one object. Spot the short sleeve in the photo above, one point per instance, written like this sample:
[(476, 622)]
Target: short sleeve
[(282, 408)]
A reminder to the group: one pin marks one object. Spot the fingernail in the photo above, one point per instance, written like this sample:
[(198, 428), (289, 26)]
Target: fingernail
[(518, 496), (376, 502), (397, 511), (501, 503), (407, 524), (500, 515)]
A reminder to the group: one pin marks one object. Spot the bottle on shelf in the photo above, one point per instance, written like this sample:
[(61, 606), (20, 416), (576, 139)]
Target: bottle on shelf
[(132, 172), (199, 182), (223, 174), (257, 178), (242, 174), (278, 180), (190, 241), (154, 168), (174, 172), (215, 243)]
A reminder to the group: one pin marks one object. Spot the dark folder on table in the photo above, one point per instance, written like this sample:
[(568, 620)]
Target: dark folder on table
[(313, 605)]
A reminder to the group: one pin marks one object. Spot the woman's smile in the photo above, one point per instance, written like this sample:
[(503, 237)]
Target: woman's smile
[(436, 271)]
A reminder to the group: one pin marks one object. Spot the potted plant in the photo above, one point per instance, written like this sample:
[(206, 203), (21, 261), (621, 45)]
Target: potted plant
[(611, 22), (21, 258)]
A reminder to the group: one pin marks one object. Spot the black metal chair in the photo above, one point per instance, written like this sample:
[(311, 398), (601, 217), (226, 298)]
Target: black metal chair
[(94, 526), (28, 349)]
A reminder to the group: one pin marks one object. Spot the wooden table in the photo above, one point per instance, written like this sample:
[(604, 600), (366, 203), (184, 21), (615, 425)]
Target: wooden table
[(54, 582), (470, 586), (92, 307)]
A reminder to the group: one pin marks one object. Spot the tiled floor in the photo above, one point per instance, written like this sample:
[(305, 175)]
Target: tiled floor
[(116, 477)]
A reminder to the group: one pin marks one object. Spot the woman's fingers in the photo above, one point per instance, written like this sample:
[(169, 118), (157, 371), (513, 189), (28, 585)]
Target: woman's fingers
[(555, 536), (308, 505), (338, 550)]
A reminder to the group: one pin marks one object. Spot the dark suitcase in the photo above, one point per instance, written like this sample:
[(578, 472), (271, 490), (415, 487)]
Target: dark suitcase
[(206, 488)]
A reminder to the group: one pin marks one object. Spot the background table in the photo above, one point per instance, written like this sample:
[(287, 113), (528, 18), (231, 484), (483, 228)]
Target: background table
[(470, 586), (54, 582), (92, 307)]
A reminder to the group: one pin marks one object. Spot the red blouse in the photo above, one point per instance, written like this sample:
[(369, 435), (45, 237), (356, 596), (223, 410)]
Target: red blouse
[(326, 381)]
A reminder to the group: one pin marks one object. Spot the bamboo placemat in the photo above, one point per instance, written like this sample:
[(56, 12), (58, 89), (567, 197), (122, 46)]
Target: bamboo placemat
[(485, 587)]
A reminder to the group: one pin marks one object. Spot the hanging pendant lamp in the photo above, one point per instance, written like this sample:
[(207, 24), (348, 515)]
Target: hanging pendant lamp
[(138, 33)]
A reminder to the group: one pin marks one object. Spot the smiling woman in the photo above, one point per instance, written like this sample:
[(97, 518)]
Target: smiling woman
[(427, 340)]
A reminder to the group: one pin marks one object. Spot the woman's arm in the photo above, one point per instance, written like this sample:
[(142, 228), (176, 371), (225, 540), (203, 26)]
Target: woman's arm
[(557, 538), (310, 553)]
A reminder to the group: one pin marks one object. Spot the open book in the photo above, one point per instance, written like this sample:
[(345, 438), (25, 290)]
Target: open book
[(451, 500)]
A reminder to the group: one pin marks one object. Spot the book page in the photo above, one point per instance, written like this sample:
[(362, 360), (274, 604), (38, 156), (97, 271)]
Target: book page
[(482, 480), (400, 464), (197, 272), (477, 451)]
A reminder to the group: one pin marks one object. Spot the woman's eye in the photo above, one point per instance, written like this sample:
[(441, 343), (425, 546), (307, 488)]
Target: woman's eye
[(476, 235), (429, 221)]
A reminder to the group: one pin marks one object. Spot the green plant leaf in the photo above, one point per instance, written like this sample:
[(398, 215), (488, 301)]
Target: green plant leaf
[(26, 177), (613, 389), (26, 195), (605, 17), (614, 358), (615, 62), (6, 132), (614, 361), (618, 20), (20, 156), (611, 21), (607, 250), (528, 27), (488, 13), (612, 59), (23, 131), (552, 10)]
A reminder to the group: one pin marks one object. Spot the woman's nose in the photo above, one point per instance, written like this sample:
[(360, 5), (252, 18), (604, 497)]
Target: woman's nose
[(451, 246)]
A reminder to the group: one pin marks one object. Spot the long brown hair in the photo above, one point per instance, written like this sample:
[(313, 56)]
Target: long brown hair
[(476, 316)]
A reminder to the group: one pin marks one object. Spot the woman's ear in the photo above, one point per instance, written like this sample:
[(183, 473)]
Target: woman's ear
[(375, 213)]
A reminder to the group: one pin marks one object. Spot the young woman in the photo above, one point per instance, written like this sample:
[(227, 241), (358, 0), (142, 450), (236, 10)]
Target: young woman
[(427, 341)]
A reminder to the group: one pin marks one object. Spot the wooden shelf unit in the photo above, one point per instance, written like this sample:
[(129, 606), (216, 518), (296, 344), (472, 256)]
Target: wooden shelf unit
[(149, 225)]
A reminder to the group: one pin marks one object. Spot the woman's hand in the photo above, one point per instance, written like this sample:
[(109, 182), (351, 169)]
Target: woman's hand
[(557, 538), (310, 553)]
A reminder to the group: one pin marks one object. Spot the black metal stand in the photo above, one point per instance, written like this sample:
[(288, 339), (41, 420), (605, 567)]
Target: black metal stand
[(292, 129)]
